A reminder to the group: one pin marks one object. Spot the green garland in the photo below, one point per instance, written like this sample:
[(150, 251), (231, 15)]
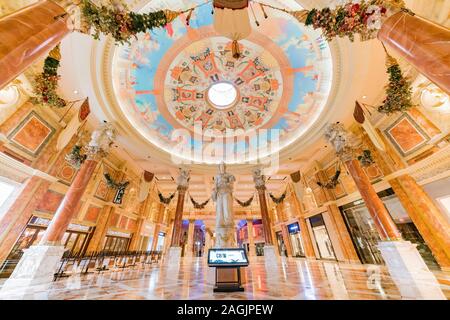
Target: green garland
[(198, 205), (114, 185), (75, 158), (366, 159), (331, 183), (164, 200), (398, 91), (120, 23), (46, 83), (244, 203), (278, 200), (362, 18)]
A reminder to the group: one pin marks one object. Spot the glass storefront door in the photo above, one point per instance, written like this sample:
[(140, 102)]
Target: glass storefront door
[(366, 238), (296, 240), (281, 244), (321, 237), (259, 249), (364, 234), (73, 241)]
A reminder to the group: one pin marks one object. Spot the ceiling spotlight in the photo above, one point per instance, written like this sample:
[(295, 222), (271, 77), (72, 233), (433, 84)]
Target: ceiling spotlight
[(364, 97), (75, 91)]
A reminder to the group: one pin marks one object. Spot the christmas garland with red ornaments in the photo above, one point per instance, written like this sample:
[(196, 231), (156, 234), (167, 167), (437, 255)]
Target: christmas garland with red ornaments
[(358, 17)]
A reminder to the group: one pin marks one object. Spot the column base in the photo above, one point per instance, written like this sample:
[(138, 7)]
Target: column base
[(173, 258), (271, 259), (36, 267), (409, 271)]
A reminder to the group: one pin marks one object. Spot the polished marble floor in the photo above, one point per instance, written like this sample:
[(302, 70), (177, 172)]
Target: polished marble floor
[(296, 279)]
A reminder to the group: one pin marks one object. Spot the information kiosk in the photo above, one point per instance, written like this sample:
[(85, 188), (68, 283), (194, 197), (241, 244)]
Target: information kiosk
[(228, 263)]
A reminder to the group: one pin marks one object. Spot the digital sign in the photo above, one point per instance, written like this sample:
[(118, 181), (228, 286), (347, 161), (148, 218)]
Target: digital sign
[(234, 257)]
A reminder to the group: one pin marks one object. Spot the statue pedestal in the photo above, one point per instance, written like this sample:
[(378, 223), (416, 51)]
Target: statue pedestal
[(409, 271), (225, 236), (36, 268), (170, 266)]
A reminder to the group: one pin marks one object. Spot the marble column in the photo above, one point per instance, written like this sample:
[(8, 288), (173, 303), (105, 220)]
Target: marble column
[(265, 215), (39, 262), (66, 211), (422, 210), (383, 221), (101, 228), (190, 240), (251, 240), (402, 259), (178, 221), (423, 44), (174, 254), (29, 34), (270, 253)]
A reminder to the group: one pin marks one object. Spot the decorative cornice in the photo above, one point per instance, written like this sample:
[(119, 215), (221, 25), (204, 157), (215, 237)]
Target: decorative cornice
[(22, 171), (436, 165)]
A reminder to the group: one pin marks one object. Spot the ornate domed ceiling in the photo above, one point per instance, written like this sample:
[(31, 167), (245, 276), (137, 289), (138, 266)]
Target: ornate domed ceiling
[(183, 77)]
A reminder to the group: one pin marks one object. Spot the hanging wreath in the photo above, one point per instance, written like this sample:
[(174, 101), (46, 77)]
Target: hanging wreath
[(366, 159), (278, 200), (121, 23), (113, 184), (165, 200), (75, 158), (198, 205), (332, 183), (46, 83), (245, 203), (398, 90)]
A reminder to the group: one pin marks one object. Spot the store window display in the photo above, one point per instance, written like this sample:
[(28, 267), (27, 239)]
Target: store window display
[(322, 238)]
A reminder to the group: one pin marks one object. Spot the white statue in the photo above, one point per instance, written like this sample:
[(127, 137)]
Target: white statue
[(223, 196), (102, 139)]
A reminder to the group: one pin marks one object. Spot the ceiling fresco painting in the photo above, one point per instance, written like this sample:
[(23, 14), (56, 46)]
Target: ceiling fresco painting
[(281, 82)]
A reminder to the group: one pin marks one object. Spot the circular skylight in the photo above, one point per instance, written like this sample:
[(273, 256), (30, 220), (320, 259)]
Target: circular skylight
[(222, 94)]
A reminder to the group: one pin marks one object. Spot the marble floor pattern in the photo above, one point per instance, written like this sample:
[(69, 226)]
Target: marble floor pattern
[(296, 279)]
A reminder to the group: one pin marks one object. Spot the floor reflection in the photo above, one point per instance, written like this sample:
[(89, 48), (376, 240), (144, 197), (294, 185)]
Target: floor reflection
[(298, 279)]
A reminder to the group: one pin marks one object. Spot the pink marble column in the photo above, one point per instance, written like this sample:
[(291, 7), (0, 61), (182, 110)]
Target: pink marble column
[(178, 221), (265, 215), (381, 217), (422, 43), (155, 236), (66, 210), (27, 35)]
